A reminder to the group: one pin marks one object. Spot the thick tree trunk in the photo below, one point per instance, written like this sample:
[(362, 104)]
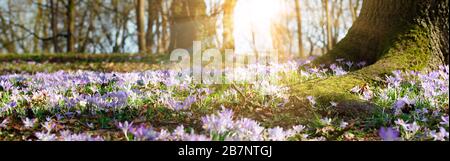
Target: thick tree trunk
[(386, 26), (186, 24), (389, 35)]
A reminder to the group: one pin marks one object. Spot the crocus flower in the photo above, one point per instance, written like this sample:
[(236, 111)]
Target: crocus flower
[(28, 123), (45, 136), (439, 136), (326, 121), (277, 134), (355, 89), (49, 125), (343, 125), (4, 123), (125, 127), (389, 134), (220, 123), (444, 120), (311, 100), (334, 104), (349, 64), (361, 64)]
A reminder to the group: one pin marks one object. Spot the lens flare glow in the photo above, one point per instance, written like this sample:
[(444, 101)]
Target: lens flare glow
[(253, 19)]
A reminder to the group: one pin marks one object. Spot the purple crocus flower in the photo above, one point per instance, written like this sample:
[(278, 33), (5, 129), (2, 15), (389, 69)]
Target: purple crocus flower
[(439, 136), (362, 64), (389, 134), (444, 120), (49, 125), (125, 127), (143, 133), (220, 123), (277, 134), (45, 136), (29, 123), (3, 123), (349, 64), (311, 100)]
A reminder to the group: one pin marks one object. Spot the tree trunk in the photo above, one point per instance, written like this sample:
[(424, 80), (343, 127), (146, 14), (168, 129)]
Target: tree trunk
[(37, 26), (186, 24), (162, 43), (299, 28), (140, 20), (54, 25), (71, 26), (153, 12), (228, 24), (389, 35), (328, 25), (354, 8)]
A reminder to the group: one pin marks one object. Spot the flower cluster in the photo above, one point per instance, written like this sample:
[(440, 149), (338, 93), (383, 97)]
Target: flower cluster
[(220, 127), (417, 105)]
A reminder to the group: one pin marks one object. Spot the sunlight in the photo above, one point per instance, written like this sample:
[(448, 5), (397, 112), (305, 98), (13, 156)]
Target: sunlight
[(253, 19)]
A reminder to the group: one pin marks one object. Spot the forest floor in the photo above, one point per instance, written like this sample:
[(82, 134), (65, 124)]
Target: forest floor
[(123, 97)]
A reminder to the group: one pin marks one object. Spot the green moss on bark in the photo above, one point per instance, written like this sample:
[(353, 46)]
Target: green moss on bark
[(410, 51)]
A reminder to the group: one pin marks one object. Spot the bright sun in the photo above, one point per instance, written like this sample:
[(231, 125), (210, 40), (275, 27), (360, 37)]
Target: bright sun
[(253, 19)]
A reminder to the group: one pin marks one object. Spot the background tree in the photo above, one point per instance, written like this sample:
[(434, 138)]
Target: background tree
[(54, 6), (99, 26), (71, 26), (140, 20), (153, 23), (299, 28), (187, 22), (228, 24)]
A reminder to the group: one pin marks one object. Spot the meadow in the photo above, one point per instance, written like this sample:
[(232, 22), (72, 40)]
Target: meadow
[(132, 98)]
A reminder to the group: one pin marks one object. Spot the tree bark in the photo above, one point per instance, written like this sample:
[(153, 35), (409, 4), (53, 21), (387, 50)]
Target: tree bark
[(389, 35), (140, 16), (299, 28), (328, 25), (37, 25), (228, 24), (71, 26), (54, 25), (153, 12), (186, 23)]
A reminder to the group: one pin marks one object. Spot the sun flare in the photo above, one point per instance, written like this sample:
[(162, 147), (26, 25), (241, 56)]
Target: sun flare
[(253, 20)]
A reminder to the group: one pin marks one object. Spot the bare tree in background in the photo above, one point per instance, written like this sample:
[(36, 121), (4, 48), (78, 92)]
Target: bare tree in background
[(299, 28), (71, 26), (228, 24), (354, 6), (153, 23), (328, 25), (54, 24), (99, 26), (140, 20), (188, 18)]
